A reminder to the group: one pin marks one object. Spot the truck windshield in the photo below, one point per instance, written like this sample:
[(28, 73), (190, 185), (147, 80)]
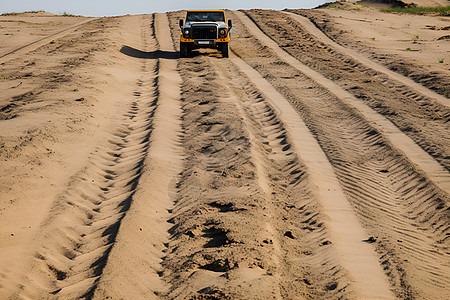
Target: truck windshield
[(205, 17)]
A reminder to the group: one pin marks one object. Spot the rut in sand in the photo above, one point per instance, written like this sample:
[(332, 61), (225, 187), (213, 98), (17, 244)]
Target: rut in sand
[(423, 116), (384, 176), (79, 239), (211, 89), (141, 244)]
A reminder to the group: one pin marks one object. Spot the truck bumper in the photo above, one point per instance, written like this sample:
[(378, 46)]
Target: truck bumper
[(219, 40)]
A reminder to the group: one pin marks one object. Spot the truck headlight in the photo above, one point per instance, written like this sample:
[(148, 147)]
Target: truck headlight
[(186, 33), (222, 32)]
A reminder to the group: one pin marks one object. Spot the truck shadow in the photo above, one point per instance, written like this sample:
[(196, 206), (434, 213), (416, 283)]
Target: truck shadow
[(136, 53)]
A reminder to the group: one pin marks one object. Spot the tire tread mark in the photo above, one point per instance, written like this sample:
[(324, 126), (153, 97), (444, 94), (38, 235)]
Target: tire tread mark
[(394, 201), (88, 215)]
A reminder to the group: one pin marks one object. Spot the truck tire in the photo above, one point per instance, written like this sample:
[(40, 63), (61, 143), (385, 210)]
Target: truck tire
[(184, 50), (224, 49)]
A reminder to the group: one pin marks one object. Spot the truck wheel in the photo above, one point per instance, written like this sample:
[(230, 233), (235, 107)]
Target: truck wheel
[(184, 50), (224, 49)]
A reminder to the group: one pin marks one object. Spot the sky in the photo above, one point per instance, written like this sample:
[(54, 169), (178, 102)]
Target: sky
[(100, 8)]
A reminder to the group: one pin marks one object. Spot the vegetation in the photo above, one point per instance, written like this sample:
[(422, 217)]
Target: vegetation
[(443, 10), (25, 12), (66, 14)]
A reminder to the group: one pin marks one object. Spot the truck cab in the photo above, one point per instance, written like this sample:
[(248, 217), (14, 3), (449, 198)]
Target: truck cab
[(204, 29)]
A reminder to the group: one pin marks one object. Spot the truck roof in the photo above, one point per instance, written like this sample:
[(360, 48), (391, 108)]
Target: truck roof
[(200, 10)]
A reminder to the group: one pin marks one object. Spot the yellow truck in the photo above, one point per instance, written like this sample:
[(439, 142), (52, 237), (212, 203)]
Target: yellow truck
[(205, 29)]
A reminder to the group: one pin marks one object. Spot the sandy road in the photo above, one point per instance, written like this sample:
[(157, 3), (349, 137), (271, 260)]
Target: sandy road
[(252, 177), (155, 195), (420, 116), (355, 167), (435, 172), (77, 238), (347, 233)]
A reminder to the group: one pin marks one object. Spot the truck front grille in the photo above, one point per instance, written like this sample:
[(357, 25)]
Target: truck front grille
[(204, 32)]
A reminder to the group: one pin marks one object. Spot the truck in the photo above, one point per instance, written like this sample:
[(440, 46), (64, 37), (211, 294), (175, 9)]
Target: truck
[(205, 29)]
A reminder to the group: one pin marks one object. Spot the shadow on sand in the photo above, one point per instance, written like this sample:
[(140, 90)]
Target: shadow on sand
[(130, 51)]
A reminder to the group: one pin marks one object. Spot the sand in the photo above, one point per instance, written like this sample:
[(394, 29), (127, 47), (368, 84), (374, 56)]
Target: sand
[(311, 164)]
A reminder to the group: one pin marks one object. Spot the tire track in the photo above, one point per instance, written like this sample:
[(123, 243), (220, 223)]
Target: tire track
[(434, 80), (136, 258), (214, 201), (295, 212), (83, 225), (436, 173), (345, 229), (227, 172), (417, 89), (405, 213), (423, 119), (225, 184), (209, 253)]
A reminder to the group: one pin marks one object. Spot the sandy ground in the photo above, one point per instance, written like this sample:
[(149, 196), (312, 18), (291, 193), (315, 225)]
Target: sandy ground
[(311, 164), (407, 36), (22, 29)]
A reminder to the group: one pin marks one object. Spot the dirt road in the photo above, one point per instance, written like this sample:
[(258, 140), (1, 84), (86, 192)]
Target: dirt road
[(302, 167)]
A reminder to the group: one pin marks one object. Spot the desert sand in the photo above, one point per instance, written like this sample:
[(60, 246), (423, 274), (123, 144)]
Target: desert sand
[(311, 164)]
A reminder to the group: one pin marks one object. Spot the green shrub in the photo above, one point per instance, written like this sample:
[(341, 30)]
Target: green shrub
[(443, 10)]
